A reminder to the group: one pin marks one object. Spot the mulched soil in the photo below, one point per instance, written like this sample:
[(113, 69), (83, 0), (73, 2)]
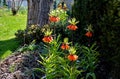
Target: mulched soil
[(19, 65)]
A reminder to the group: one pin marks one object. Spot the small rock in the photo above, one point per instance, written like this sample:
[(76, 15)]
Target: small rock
[(4, 69), (1, 72), (18, 75), (3, 76)]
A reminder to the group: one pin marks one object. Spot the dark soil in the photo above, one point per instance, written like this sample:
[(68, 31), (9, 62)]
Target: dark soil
[(19, 65)]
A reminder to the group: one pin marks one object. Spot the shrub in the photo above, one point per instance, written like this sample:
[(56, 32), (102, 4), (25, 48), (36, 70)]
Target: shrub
[(32, 33), (104, 17), (109, 38)]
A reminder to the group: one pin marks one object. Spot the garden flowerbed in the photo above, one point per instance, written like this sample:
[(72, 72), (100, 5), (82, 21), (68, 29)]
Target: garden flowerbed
[(63, 56)]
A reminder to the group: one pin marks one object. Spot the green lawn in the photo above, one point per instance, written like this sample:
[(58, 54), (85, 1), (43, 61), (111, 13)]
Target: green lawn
[(8, 26)]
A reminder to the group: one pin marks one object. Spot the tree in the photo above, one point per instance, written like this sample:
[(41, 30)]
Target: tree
[(38, 12), (0, 2), (16, 4), (4, 2)]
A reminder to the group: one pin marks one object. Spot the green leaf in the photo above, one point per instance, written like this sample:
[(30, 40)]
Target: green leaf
[(39, 70), (90, 74)]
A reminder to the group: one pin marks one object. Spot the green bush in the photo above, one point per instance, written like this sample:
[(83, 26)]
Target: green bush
[(109, 25), (28, 35), (104, 16)]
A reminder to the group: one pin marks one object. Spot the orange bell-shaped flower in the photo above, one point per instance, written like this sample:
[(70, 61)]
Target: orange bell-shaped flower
[(65, 46), (72, 27), (72, 57), (89, 34), (54, 19), (47, 39)]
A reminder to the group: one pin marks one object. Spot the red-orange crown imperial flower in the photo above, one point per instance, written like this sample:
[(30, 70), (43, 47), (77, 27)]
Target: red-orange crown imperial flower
[(47, 35), (72, 27), (47, 39), (88, 34), (72, 57), (65, 46), (89, 30), (54, 18)]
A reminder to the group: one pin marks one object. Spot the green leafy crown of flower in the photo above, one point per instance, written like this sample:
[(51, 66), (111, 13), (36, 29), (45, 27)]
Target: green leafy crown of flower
[(73, 21)]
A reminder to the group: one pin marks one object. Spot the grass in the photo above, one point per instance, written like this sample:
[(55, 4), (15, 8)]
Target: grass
[(8, 26)]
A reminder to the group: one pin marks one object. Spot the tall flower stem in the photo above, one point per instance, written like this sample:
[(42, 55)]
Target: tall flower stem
[(72, 71), (54, 30), (72, 37), (89, 40)]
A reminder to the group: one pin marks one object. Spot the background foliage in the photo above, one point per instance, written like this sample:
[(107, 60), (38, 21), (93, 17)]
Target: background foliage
[(104, 15)]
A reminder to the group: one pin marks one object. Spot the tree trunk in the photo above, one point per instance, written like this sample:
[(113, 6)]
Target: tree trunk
[(15, 6), (4, 2), (38, 12)]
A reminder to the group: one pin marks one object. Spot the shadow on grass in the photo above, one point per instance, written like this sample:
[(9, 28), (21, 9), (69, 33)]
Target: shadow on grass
[(8, 46)]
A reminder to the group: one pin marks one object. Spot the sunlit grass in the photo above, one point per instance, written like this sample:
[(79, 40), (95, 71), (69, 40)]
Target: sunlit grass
[(8, 26)]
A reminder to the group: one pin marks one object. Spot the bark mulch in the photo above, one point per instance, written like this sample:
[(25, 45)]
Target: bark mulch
[(19, 65)]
